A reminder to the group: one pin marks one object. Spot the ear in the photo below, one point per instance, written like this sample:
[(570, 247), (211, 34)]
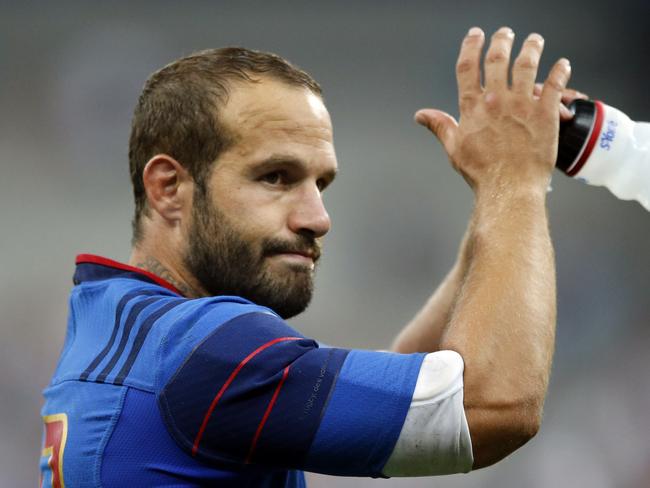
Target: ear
[(168, 186)]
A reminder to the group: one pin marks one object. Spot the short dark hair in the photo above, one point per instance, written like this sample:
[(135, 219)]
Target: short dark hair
[(178, 111)]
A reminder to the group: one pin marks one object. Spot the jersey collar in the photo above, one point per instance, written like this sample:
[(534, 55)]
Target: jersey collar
[(93, 268)]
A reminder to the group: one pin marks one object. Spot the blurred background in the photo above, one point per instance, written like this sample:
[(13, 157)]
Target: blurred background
[(70, 73)]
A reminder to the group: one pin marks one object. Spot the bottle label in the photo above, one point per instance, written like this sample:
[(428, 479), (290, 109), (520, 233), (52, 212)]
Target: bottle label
[(610, 148), (620, 159), (608, 135)]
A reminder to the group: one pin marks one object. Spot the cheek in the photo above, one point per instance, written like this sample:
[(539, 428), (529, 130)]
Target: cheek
[(254, 209), (253, 222), (237, 195), (260, 222)]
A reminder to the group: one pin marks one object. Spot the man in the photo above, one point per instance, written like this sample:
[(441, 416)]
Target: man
[(178, 369)]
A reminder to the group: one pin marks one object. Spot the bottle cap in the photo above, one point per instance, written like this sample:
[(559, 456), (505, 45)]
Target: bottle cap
[(574, 134)]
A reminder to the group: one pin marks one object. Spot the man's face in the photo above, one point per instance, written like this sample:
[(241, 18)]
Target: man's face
[(256, 232)]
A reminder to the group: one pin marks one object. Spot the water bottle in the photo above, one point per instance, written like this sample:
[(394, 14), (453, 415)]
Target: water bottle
[(602, 146)]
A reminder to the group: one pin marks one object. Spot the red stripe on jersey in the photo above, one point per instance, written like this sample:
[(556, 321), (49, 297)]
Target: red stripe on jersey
[(230, 379), (91, 258), (266, 415)]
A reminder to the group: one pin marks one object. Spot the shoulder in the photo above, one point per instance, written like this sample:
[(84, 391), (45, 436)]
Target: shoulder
[(221, 384), (219, 327)]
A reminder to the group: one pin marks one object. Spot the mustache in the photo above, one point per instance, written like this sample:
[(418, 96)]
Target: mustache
[(301, 245)]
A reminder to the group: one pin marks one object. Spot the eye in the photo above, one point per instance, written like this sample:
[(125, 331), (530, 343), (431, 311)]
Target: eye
[(274, 177)]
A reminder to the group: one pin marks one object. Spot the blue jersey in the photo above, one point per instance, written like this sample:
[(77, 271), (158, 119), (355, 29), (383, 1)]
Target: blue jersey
[(154, 389)]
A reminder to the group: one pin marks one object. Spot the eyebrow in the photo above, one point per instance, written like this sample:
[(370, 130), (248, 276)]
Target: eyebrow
[(290, 160)]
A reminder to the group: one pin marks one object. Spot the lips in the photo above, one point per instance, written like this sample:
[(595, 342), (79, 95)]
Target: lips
[(308, 254), (307, 248), (311, 254)]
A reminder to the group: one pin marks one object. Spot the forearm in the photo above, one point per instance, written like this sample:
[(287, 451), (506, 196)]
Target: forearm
[(503, 321), (424, 331)]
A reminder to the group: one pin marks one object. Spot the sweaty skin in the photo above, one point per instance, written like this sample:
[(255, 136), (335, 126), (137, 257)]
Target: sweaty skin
[(423, 333), (269, 184), (497, 305)]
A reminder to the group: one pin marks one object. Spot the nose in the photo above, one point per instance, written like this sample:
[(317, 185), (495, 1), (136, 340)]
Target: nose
[(308, 214)]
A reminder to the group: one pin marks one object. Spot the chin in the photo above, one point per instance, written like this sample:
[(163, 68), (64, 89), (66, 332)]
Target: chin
[(289, 312), (288, 297)]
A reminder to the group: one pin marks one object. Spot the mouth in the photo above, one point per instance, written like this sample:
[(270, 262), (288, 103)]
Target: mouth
[(302, 258)]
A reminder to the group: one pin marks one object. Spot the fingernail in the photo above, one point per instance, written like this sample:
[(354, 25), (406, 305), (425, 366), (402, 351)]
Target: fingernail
[(506, 30), (475, 31), (420, 118), (565, 62), (535, 37)]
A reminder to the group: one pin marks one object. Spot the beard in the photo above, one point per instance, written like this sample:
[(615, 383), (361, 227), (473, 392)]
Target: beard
[(226, 263)]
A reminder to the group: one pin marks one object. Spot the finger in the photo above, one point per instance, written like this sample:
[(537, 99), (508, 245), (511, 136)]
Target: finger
[(443, 126), (565, 113), (568, 95), (555, 84), (497, 60), (525, 67), (468, 68)]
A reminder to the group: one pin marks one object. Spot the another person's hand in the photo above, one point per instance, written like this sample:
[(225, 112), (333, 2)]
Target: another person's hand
[(568, 96), (507, 134)]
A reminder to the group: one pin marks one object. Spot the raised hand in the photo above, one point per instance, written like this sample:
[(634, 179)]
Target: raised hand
[(507, 135)]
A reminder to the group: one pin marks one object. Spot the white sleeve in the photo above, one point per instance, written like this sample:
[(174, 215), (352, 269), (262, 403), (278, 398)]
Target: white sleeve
[(435, 437)]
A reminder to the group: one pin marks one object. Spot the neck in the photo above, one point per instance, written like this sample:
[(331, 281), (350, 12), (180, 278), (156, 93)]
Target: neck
[(168, 269)]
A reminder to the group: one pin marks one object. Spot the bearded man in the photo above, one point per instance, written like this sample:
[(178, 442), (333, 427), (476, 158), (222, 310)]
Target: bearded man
[(179, 369)]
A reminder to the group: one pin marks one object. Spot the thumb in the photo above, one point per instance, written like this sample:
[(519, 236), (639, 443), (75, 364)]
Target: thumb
[(442, 124)]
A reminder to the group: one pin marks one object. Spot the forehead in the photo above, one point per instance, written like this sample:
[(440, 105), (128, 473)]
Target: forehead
[(272, 116)]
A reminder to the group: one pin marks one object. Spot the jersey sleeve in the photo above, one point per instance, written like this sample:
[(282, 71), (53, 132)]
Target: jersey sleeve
[(435, 436), (255, 391)]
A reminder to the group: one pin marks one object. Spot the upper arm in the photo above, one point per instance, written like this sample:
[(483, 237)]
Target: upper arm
[(244, 393), (256, 391), (435, 436)]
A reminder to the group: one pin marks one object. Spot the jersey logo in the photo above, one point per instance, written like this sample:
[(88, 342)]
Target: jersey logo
[(118, 317), (56, 434), (126, 331)]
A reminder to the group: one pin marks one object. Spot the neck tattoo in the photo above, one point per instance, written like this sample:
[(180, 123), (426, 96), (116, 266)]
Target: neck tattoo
[(154, 266)]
